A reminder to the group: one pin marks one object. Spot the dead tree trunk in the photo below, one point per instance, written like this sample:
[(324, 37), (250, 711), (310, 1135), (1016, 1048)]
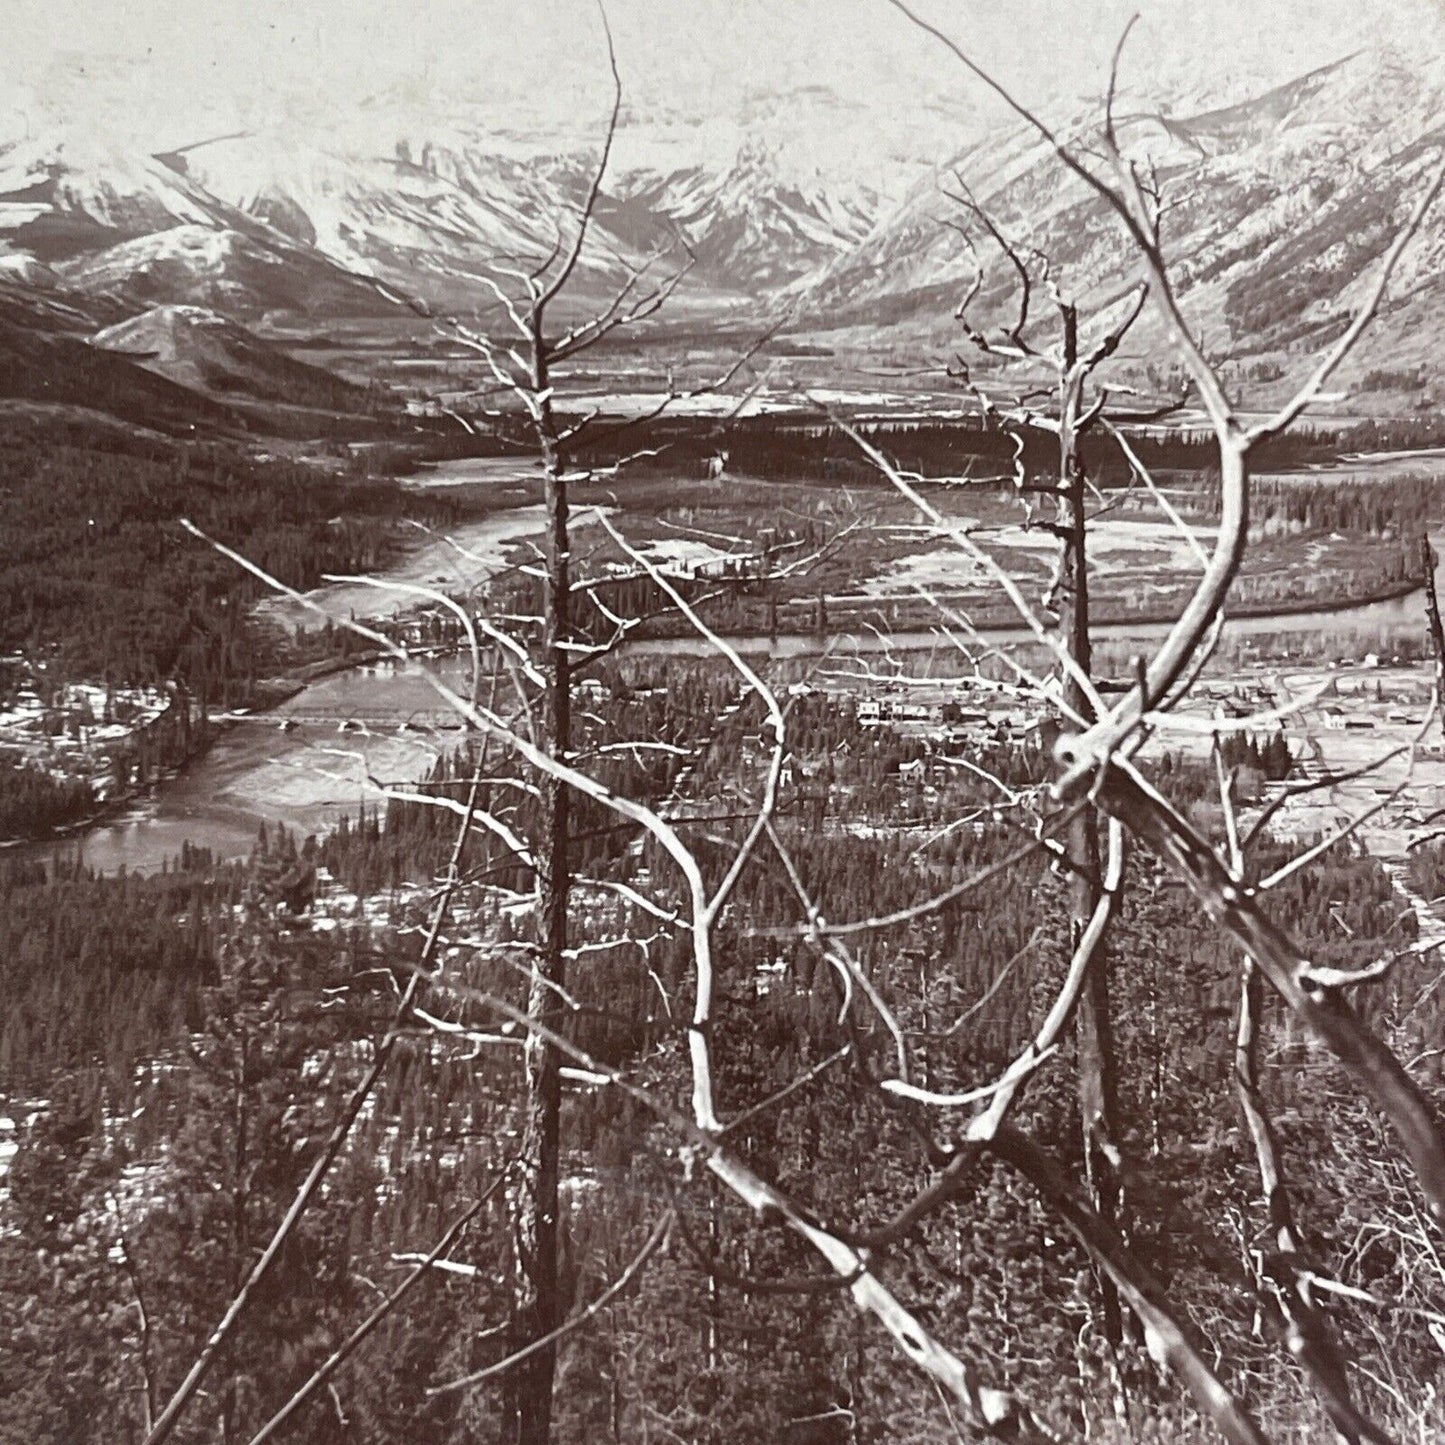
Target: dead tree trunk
[(537, 1307), (1069, 596), (1097, 1081), (1436, 631)]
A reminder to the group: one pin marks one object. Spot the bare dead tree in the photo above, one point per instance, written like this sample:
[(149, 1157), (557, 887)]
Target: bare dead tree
[(1281, 1271), (703, 1137), (1074, 414), (1096, 762), (525, 365), (1436, 629), (143, 1320)]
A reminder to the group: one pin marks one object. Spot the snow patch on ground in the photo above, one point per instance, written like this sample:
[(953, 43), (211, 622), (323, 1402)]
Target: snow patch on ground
[(684, 554), (1428, 921), (640, 403), (1115, 546), (475, 471), (313, 783), (11, 1128)]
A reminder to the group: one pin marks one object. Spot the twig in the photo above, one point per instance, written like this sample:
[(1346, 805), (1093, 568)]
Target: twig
[(348, 1347)]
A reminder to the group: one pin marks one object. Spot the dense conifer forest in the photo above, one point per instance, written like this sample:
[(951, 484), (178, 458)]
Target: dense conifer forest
[(97, 578), (857, 863), (176, 1046)]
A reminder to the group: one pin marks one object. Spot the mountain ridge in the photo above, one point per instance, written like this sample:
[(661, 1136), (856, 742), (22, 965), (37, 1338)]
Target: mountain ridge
[(1277, 214), (1279, 206), (201, 349)]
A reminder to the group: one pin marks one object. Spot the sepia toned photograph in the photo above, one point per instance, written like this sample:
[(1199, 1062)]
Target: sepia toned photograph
[(722, 722)]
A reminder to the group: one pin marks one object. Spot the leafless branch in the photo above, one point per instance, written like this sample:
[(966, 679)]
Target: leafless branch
[(654, 1241), (338, 1357), (554, 287), (1170, 1340), (171, 1415)]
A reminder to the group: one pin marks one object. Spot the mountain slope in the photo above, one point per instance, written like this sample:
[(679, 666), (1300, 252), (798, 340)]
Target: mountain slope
[(1278, 211), (1279, 207), (49, 366), (207, 352), (106, 220), (198, 265), (750, 227), (450, 204), (65, 194), (428, 224)]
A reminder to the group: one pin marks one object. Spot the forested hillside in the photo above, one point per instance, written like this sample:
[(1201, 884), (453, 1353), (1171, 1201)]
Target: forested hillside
[(96, 573), (100, 585), (177, 1046)]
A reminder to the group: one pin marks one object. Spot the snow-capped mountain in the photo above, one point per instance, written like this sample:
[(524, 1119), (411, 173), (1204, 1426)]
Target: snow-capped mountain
[(1278, 205), (447, 206), (750, 226), (65, 192), (428, 205), (242, 275), (103, 221), (1278, 209), (415, 220)]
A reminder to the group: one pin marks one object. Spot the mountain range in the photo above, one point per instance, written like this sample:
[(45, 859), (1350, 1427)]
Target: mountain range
[(1277, 213), (1278, 207)]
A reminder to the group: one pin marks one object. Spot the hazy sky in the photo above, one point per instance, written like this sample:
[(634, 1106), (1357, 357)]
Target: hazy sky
[(169, 70)]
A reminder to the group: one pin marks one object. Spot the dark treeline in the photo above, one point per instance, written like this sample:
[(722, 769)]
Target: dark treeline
[(787, 447), (1399, 506), (790, 447), (95, 573), (47, 367), (34, 801)]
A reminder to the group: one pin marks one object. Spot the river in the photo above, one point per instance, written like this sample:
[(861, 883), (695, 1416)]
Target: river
[(319, 756)]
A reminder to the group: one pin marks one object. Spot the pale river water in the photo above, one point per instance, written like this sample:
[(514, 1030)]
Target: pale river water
[(308, 775)]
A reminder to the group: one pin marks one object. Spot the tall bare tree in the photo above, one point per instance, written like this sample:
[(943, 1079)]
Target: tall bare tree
[(1072, 366), (528, 362), (1095, 759), (525, 365), (1096, 767)]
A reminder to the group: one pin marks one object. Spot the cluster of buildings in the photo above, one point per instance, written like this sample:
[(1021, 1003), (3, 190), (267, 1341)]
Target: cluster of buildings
[(80, 714), (961, 712), (953, 715), (74, 731), (773, 545)]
